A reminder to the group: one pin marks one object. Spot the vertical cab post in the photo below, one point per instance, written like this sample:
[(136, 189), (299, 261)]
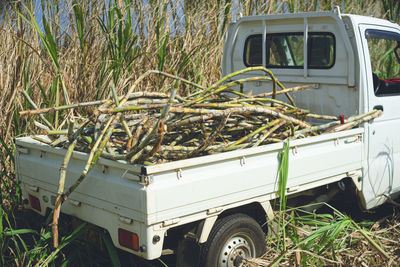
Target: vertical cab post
[(305, 47)]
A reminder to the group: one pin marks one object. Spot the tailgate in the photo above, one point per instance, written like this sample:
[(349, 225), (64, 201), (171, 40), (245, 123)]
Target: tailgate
[(113, 186)]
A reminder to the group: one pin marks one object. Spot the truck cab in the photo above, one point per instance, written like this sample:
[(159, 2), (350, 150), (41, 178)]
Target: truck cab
[(353, 64)]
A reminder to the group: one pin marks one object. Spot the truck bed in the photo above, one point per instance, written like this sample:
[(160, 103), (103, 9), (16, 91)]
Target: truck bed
[(150, 199)]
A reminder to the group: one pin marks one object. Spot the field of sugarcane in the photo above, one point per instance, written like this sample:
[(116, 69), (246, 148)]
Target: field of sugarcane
[(140, 82)]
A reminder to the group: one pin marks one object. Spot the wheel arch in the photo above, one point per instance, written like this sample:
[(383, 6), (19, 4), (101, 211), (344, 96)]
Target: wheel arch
[(261, 212)]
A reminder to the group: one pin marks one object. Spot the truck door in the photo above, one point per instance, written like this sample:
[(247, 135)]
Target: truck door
[(381, 48)]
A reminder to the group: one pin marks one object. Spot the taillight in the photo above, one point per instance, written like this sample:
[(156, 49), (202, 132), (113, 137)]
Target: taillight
[(35, 202), (128, 239)]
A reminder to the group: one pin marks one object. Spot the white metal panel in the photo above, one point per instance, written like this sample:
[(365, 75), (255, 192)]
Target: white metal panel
[(342, 71), (175, 165), (98, 215), (382, 175), (234, 179), (335, 93), (104, 186)]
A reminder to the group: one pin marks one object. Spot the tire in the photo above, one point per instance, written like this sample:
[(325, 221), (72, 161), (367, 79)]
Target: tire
[(231, 239)]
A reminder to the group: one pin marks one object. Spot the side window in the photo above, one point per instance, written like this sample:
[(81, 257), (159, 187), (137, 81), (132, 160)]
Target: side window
[(253, 51), (384, 50), (285, 50)]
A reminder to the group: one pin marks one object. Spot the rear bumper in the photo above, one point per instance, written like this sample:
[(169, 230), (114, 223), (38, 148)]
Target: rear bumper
[(147, 235)]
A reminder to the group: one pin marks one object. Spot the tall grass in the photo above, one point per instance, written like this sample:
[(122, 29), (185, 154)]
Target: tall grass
[(312, 239), (77, 50)]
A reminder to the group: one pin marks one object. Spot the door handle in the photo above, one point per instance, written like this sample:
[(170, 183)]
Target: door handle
[(378, 107)]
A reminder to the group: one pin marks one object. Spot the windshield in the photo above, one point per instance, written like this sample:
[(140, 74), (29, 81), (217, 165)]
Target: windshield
[(384, 52), (382, 47)]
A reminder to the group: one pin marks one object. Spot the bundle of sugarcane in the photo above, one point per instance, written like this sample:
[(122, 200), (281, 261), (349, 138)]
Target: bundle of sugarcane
[(152, 127)]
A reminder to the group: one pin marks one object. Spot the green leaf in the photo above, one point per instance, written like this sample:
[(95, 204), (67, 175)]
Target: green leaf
[(64, 242), (283, 171), (47, 37), (7, 149), (1, 219), (111, 250), (44, 95), (50, 43), (80, 22), (18, 232), (16, 122)]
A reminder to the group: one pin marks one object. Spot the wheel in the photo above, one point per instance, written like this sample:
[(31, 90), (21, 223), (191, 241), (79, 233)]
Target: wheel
[(232, 239)]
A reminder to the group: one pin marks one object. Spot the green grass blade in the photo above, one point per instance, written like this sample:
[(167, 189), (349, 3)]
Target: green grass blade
[(51, 45), (80, 22), (7, 149), (283, 171), (18, 232), (163, 263), (47, 38), (1, 220), (64, 242), (43, 93), (111, 250)]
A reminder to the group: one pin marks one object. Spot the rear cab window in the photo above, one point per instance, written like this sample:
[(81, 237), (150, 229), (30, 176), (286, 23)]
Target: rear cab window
[(286, 50)]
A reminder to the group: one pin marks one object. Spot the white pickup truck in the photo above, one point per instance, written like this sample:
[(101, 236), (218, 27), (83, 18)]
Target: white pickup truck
[(219, 202)]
